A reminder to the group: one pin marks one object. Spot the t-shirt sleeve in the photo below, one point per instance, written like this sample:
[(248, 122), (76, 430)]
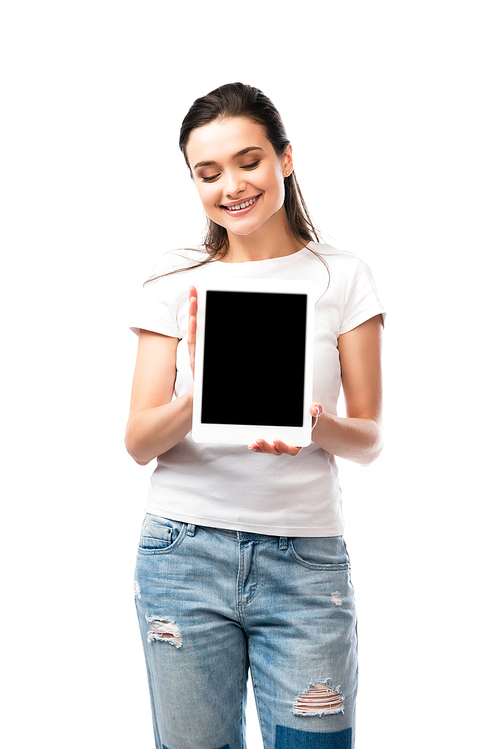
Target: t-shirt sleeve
[(158, 304), (362, 301), (155, 309)]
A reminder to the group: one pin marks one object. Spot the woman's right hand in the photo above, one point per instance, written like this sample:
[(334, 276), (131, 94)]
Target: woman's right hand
[(193, 311)]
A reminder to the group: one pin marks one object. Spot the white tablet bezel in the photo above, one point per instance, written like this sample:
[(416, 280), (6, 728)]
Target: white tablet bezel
[(245, 434)]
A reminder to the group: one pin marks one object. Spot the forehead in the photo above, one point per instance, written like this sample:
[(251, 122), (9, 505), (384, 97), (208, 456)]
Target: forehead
[(221, 139)]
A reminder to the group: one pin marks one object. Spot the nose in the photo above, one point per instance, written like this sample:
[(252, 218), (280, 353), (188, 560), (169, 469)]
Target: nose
[(235, 184)]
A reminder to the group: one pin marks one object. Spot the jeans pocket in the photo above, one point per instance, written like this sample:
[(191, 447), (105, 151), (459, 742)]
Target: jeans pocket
[(159, 535), (322, 553)]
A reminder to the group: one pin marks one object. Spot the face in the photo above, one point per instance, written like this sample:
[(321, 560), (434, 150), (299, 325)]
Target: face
[(239, 177)]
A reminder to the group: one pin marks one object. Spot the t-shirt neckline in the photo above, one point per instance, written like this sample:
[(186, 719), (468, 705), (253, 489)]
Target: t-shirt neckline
[(266, 260)]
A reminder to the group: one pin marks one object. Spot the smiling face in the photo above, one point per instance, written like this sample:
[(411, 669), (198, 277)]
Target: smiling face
[(239, 177)]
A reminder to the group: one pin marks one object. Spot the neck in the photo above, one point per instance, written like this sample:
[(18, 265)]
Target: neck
[(263, 244)]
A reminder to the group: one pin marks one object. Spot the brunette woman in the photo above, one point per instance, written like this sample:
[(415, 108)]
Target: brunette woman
[(242, 562)]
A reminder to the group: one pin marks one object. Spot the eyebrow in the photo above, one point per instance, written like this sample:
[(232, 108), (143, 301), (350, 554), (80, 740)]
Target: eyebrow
[(236, 155)]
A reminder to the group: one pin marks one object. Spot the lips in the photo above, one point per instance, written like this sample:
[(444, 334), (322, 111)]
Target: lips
[(242, 207)]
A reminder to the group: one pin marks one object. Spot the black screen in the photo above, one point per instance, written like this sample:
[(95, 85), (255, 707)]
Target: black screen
[(254, 358)]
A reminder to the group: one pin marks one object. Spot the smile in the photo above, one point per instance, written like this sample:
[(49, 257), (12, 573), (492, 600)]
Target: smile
[(243, 206)]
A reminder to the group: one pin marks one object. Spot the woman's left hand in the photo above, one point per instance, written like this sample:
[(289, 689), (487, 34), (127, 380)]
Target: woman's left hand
[(280, 448), (192, 325)]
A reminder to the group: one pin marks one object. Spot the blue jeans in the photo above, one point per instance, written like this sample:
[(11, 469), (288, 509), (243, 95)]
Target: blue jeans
[(213, 603)]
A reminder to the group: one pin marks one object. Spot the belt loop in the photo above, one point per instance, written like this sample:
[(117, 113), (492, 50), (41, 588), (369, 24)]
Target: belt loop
[(191, 529), (283, 543)]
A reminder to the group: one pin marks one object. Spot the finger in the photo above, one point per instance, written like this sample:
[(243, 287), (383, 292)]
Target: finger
[(192, 324), (276, 448), (261, 446), (283, 449), (193, 301), (193, 311), (316, 409)]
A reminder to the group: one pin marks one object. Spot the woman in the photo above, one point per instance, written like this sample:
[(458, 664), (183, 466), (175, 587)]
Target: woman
[(241, 561)]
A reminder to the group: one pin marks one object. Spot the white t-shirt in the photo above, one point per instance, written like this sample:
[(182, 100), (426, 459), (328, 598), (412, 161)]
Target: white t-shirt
[(226, 486)]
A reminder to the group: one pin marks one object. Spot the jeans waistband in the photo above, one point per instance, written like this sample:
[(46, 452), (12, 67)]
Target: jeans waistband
[(242, 535)]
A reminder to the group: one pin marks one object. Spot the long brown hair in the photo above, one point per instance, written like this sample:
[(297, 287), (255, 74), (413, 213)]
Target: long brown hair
[(241, 100)]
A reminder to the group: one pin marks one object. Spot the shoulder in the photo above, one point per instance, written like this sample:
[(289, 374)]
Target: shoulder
[(352, 287), (335, 255), (175, 261), (344, 265), (165, 292)]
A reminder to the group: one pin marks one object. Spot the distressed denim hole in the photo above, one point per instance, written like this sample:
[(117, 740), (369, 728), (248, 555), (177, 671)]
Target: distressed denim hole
[(164, 629), (319, 699)]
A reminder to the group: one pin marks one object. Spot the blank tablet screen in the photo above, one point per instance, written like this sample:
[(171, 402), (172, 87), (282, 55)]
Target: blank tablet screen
[(254, 358)]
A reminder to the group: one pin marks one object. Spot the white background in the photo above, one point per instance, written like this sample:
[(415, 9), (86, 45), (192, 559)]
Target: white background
[(392, 109)]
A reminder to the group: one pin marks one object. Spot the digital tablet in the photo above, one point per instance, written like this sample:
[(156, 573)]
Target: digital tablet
[(253, 366)]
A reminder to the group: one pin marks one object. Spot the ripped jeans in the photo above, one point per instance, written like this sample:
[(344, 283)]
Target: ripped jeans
[(214, 603)]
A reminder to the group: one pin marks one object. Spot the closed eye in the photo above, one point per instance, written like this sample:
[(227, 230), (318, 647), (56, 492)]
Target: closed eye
[(252, 166), (210, 179)]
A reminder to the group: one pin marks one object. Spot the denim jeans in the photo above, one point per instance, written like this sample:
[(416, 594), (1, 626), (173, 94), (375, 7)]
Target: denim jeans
[(214, 603)]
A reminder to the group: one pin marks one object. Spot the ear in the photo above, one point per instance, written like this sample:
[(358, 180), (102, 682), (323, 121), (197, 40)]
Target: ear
[(287, 162)]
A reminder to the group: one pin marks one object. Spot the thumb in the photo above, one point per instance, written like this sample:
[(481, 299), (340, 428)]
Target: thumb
[(316, 410)]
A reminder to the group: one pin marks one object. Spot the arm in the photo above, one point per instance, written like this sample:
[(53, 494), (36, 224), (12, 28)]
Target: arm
[(157, 423), (357, 437)]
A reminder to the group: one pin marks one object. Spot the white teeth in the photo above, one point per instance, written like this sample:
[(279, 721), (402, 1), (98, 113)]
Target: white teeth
[(241, 205)]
